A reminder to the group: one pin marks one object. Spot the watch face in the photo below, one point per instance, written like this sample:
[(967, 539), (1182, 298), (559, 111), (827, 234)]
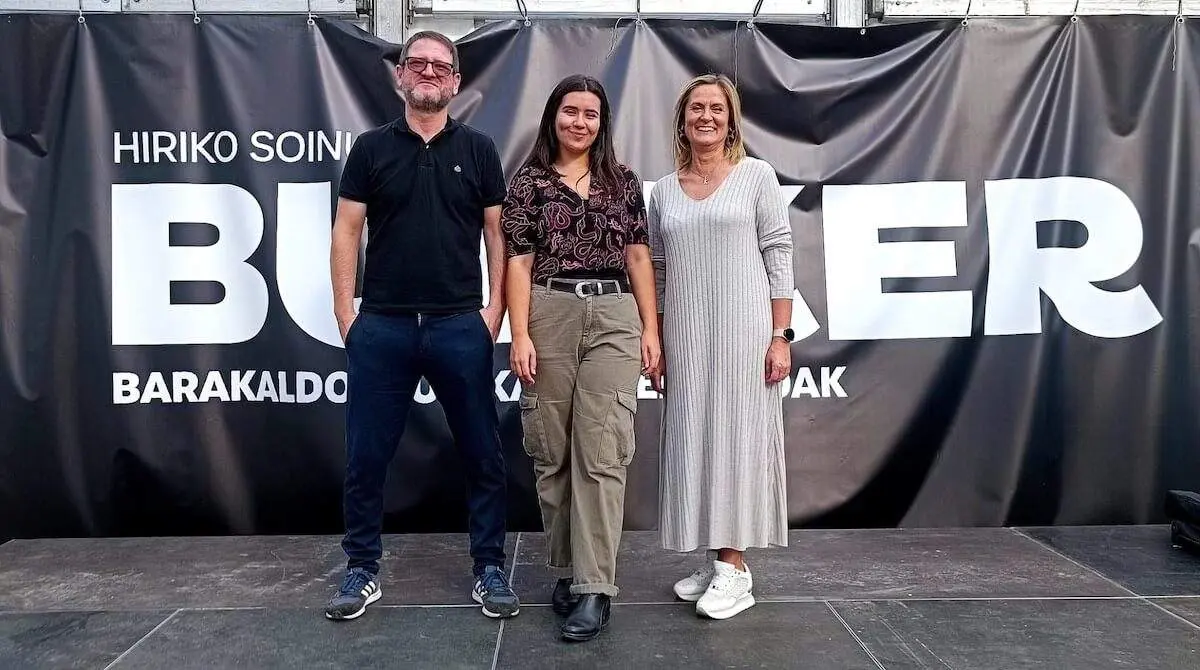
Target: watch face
[(789, 334)]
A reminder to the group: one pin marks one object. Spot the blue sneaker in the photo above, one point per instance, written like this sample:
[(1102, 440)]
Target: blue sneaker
[(359, 589), (493, 592)]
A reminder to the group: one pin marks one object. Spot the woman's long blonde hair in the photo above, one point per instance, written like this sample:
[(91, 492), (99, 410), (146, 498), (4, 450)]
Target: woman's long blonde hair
[(735, 148)]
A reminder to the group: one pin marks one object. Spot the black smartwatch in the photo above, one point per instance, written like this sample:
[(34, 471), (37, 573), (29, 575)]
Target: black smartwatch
[(787, 334)]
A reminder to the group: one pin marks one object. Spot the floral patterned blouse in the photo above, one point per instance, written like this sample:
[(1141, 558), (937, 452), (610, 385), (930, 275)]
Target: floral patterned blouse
[(570, 236)]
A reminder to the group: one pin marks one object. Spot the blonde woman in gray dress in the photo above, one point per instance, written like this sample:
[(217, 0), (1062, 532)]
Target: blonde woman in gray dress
[(722, 251)]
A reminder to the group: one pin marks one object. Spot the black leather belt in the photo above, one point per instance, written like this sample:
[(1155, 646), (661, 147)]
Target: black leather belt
[(588, 287)]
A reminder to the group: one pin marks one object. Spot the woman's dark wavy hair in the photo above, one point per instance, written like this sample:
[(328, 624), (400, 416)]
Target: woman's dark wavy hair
[(602, 159)]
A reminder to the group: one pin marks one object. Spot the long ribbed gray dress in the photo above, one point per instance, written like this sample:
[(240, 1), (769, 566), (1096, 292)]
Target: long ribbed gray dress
[(718, 263)]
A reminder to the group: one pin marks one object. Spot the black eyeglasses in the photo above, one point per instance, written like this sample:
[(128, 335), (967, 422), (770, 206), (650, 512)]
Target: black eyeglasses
[(418, 65)]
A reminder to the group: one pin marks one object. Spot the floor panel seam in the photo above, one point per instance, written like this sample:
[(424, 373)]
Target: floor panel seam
[(512, 569), (499, 641), (1077, 563), (1135, 595), (512, 577), (1160, 608), (143, 639), (837, 615), (853, 599), (1173, 597)]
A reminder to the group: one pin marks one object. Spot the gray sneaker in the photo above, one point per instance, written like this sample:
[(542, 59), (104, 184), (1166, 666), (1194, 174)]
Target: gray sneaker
[(493, 592), (359, 589)]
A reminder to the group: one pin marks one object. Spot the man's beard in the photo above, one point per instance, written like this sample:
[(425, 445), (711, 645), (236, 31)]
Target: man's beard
[(422, 103)]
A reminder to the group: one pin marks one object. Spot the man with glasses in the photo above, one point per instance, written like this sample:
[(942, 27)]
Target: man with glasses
[(426, 186)]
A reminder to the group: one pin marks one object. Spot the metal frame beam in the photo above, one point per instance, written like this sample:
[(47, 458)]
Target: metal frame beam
[(923, 9), (341, 8), (629, 9)]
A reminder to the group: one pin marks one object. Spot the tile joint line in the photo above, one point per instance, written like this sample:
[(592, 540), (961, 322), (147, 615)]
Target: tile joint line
[(850, 630), (143, 639)]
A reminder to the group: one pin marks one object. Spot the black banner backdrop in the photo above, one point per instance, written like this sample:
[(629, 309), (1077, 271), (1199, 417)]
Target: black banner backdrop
[(997, 262)]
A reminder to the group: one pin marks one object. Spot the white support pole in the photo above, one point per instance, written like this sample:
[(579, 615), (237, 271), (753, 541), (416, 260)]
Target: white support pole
[(390, 17), (848, 13)]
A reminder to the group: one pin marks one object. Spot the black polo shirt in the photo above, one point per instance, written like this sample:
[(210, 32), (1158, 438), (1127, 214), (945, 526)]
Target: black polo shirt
[(425, 207)]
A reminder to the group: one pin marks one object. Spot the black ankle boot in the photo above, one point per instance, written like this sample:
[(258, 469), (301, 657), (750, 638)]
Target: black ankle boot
[(562, 602), (588, 618)]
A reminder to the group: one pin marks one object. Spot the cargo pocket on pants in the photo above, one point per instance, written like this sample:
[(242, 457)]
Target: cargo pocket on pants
[(533, 426), (617, 447)]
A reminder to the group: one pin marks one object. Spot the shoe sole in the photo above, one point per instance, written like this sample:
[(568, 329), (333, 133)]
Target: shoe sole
[(354, 615), (740, 605), (584, 637), (490, 614), (689, 597), (577, 637)]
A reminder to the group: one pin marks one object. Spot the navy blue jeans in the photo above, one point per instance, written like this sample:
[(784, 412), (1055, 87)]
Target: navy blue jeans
[(387, 356)]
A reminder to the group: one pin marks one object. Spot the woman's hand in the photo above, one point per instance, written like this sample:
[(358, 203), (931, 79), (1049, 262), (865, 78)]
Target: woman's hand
[(658, 375), (651, 351), (779, 360), (523, 359)]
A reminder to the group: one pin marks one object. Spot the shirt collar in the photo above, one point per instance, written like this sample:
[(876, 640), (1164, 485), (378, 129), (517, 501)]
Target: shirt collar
[(400, 125)]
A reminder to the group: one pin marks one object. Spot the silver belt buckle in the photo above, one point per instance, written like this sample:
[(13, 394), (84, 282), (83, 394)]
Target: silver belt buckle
[(598, 284)]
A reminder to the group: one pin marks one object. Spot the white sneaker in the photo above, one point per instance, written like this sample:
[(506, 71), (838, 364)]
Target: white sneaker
[(691, 588), (728, 594)]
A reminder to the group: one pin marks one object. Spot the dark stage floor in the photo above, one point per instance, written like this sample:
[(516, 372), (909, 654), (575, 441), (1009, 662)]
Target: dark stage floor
[(1062, 598)]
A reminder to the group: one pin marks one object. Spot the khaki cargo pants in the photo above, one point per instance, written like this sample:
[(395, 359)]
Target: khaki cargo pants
[(577, 418)]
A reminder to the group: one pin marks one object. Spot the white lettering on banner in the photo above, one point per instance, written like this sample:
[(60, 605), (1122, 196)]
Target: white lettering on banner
[(305, 387), (424, 394), (856, 261), (156, 389), (185, 386), (1021, 271), (164, 153), (805, 384), (302, 259), (300, 387), (1018, 271), (183, 146), (291, 146), (144, 264), (507, 396), (161, 146)]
